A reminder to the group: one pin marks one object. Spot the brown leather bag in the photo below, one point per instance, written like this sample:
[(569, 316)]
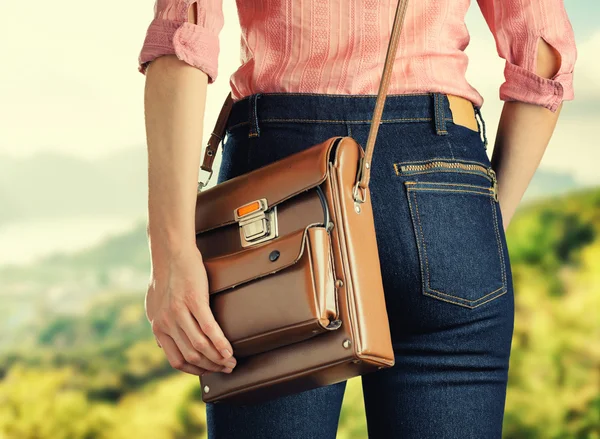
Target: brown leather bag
[(293, 268)]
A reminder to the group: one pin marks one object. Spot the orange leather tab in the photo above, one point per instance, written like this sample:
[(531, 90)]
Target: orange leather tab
[(248, 208)]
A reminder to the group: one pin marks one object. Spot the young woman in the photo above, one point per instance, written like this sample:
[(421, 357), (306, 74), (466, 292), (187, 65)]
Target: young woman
[(310, 70)]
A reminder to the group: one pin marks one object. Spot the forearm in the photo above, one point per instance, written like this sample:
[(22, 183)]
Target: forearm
[(174, 103), (523, 135), (524, 132)]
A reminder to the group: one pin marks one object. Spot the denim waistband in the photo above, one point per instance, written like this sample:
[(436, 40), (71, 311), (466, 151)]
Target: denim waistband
[(332, 108)]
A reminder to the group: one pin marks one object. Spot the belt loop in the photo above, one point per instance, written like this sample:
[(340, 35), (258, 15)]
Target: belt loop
[(440, 114), (253, 116), (478, 117)]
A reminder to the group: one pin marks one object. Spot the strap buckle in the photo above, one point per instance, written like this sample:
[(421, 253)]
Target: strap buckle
[(359, 194), (203, 183)]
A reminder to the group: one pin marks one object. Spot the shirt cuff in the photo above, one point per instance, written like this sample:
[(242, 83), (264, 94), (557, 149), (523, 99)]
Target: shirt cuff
[(190, 42), (525, 86)]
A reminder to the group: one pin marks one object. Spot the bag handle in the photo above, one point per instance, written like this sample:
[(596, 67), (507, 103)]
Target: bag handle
[(364, 167)]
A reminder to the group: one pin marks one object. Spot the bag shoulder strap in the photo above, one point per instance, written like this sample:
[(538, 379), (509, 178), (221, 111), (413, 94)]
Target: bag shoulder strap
[(364, 169)]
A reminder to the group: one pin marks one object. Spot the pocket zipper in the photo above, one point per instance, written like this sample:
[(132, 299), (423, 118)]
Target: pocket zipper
[(488, 171)]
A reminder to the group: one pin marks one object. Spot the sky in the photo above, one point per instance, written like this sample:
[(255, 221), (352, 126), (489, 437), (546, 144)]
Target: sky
[(70, 82)]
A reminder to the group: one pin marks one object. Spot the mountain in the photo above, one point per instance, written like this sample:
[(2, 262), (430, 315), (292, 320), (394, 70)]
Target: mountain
[(49, 184), (548, 183)]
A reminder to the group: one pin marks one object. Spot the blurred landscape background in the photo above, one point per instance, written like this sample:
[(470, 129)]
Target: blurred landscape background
[(77, 357)]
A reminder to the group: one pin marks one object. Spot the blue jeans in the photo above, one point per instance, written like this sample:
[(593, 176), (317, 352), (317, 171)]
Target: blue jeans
[(444, 260)]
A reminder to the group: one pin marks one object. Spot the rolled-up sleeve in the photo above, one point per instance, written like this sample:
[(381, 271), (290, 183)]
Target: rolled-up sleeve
[(517, 26), (170, 32)]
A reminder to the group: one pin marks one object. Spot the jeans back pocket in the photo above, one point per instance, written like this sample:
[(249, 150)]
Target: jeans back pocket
[(457, 233)]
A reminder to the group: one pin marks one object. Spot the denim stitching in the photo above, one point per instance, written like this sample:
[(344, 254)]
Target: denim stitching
[(473, 303), (417, 119), (446, 159), (251, 132), (258, 96), (461, 304), (427, 266), (435, 111), (433, 171), (341, 121), (448, 184), (442, 114), (500, 252), (417, 236), (450, 190), (441, 127), (333, 95), (254, 128), (438, 110)]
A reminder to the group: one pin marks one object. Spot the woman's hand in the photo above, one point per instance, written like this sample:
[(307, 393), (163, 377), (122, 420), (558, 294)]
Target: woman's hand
[(177, 306)]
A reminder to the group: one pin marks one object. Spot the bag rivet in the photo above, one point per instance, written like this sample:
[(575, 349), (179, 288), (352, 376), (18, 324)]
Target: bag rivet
[(356, 361), (339, 283), (206, 389), (329, 226), (367, 165), (346, 343), (356, 207), (274, 255)]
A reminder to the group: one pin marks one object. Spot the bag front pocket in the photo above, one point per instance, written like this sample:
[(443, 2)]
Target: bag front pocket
[(458, 240), (275, 294)]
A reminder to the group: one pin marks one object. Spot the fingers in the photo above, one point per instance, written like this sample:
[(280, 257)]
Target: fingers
[(195, 343), (193, 355), (200, 342), (208, 325), (176, 359)]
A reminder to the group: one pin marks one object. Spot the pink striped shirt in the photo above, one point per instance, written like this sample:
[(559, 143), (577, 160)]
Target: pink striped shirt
[(339, 46)]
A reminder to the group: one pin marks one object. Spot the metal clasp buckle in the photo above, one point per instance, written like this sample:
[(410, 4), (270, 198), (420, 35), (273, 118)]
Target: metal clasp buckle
[(257, 222), (359, 194), (203, 183)]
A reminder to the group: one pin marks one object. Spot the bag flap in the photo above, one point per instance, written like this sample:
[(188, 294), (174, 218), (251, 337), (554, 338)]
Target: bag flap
[(229, 271), (276, 182)]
